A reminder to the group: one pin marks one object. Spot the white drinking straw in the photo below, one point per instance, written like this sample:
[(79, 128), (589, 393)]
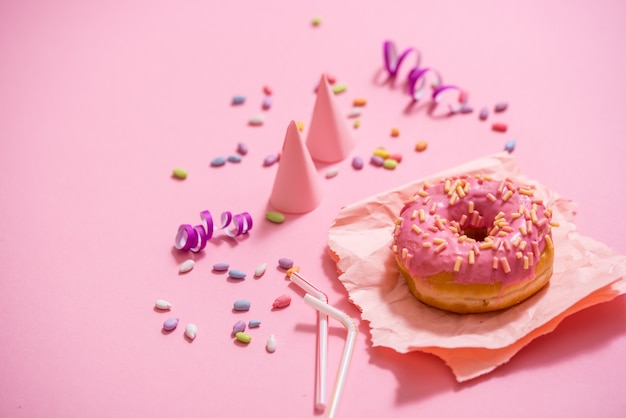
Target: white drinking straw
[(348, 348), (322, 340)]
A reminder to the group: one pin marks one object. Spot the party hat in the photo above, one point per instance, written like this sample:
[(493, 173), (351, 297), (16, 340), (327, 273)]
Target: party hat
[(329, 139), (297, 186)]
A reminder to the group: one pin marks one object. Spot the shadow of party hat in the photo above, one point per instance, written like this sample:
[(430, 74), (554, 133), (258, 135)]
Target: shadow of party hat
[(329, 139), (297, 186)]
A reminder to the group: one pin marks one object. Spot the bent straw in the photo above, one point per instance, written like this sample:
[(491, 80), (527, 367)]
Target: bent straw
[(348, 348), (322, 340)]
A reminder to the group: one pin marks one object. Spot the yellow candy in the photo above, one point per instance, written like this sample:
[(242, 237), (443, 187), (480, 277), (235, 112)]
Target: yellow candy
[(381, 152), (179, 173), (243, 337), (390, 164)]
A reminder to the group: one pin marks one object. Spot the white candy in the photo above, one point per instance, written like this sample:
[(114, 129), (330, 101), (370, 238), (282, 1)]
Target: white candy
[(256, 120), (186, 266), (271, 343), (260, 270), (162, 304), (191, 330)]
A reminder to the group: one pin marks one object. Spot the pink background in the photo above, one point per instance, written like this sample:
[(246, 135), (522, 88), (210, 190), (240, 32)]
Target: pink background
[(101, 100)]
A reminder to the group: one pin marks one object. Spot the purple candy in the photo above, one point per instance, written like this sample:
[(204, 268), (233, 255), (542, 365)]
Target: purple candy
[(285, 263), (500, 107), (242, 148), (377, 160), (221, 266), (240, 326), (484, 112), (267, 102), (270, 160), (357, 163), (170, 324)]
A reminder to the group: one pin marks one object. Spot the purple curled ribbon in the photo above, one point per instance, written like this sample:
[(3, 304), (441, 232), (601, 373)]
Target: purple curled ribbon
[(194, 238), (417, 77)]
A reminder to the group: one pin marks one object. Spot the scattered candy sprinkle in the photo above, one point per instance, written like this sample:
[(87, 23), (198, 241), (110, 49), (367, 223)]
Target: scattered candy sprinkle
[(259, 271), (241, 305), (270, 160), (186, 266), (331, 172), (285, 263), (500, 107), (271, 344), (421, 146), (218, 161), (267, 102), (390, 164), (397, 157), (316, 21), (354, 112), (484, 113), (179, 173), (509, 146), (236, 274), (359, 102), (170, 324), (191, 330), (499, 127), (254, 323), (221, 266), (357, 163), (339, 88), (267, 90), (234, 158), (162, 305), (465, 109), (256, 120), (356, 123), (243, 337), (381, 152), (239, 99), (275, 217), (331, 78), (300, 125), (240, 326), (282, 301), (377, 160), (242, 148), (395, 132)]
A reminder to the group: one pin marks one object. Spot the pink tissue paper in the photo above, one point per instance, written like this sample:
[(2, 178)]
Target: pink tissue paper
[(586, 272)]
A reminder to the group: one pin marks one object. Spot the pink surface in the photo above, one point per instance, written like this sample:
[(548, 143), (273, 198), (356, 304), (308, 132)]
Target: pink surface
[(101, 100)]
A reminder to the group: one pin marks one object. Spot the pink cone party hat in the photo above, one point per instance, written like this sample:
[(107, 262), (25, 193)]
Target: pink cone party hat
[(297, 186), (329, 139)]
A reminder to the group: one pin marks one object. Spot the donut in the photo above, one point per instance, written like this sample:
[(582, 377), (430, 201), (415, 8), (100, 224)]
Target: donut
[(471, 244)]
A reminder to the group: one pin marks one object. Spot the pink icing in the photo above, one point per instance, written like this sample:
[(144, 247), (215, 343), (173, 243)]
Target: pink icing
[(431, 233)]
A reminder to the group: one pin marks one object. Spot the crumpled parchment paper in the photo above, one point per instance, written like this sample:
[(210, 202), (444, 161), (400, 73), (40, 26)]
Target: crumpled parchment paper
[(586, 272)]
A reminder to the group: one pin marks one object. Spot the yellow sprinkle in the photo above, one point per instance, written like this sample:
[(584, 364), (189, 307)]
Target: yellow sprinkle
[(517, 240), (505, 264), (515, 215), (416, 229), (433, 208), (554, 224), (398, 220), (414, 214), (357, 123), (499, 216), (438, 241), (486, 245), (394, 248), (421, 146), (522, 245), (359, 102), (426, 244), (457, 264), (453, 199), (527, 192), (470, 257), (441, 247), (491, 197), (519, 255), (522, 229), (381, 152), (494, 265), (446, 187), (422, 215), (533, 216), (526, 263), (425, 235), (470, 207), (433, 228), (530, 258), (549, 242), (422, 193), (300, 125), (405, 251), (463, 219), (395, 132)]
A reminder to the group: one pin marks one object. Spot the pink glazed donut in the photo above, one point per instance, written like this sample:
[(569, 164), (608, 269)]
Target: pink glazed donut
[(473, 244)]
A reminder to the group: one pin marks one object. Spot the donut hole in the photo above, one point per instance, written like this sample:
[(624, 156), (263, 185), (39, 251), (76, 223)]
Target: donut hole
[(478, 234)]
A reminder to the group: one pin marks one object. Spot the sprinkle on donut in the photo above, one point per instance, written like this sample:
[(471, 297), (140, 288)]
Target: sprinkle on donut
[(480, 229)]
